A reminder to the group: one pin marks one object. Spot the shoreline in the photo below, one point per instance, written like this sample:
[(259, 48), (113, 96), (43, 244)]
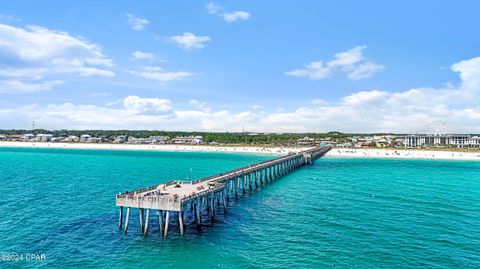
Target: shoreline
[(150, 147), (335, 152), (414, 154)]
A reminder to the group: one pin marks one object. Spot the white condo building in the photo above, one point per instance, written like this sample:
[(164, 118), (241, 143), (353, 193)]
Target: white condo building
[(451, 140)]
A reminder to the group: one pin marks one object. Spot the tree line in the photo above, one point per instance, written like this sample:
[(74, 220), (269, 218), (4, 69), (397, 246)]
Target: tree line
[(220, 137)]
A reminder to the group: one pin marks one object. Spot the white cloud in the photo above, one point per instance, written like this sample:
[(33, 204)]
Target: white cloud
[(190, 41), (33, 57), (411, 110), (98, 94), (318, 102), (236, 15), (365, 98), (227, 16), (364, 70), (16, 86), (199, 105), (313, 70), (153, 106), (158, 73), (352, 62), (141, 55), (137, 24)]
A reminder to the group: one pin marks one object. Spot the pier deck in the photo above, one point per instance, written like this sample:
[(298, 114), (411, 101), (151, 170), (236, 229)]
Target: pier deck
[(179, 196)]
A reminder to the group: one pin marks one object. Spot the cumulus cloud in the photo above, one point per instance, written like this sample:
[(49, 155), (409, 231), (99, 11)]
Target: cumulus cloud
[(199, 105), (147, 105), (158, 73), (142, 55), (137, 24), (411, 110), (33, 57), (365, 98), (227, 16), (352, 62), (190, 41)]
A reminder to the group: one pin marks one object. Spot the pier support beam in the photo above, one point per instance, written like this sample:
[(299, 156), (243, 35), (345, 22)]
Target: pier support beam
[(160, 220), (120, 218), (244, 183), (198, 217), (145, 230), (140, 214), (180, 221), (224, 205), (126, 219), (167, 217), (235, 186), (212, 208)]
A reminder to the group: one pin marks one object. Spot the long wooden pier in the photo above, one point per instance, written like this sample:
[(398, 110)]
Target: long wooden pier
[(207, 194)]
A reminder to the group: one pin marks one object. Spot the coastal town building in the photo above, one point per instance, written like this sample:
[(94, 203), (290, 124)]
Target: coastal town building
[(306, 141), (450, 140), (133, 140), (71, 138), (94, 140), (15, 137), (28, 137), (159, 139), (43, 137), (377, 141), (57, 139), (192, 140), (84, 138), (120, 139)]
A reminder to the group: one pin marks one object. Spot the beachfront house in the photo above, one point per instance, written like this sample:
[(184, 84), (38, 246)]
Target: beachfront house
[(3, 138), (159, 139), (28, 137), (15, 137), (306, 141), (133, 140), (120, 139), (44, 137), (359, 142), (57, 139), (71, 138), (192, 140), (84, 138), (94, 140)]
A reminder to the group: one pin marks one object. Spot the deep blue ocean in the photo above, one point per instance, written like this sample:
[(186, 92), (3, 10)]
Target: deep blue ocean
[(338, 212)]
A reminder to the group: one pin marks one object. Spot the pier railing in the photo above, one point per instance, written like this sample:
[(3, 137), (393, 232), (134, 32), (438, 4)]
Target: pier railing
[(182, 196), (315, 152)]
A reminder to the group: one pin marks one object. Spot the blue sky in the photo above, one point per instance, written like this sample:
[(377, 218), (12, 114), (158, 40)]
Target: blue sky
[(288, 66)]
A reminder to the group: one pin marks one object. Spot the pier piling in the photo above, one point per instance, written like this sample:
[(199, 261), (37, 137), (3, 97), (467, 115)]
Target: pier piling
[(126, 219), (167, 216), (145, 231), (120, 219)]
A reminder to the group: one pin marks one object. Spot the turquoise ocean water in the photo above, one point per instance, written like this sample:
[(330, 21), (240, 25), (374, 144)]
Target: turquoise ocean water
[(339, 212)]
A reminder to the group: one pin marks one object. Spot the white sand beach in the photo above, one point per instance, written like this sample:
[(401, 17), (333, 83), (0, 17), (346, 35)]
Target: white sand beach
[(167, 147), (404, 154), (336, 152)]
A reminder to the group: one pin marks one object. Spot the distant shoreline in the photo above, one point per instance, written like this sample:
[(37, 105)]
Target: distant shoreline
[(405, 154), (335, 152), (150, 147)]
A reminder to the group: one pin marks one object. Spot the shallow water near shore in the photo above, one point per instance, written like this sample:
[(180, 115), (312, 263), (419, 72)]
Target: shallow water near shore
[(338, 212)]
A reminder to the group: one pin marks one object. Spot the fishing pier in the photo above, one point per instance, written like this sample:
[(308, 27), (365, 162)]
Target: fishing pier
[(207, 194)]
